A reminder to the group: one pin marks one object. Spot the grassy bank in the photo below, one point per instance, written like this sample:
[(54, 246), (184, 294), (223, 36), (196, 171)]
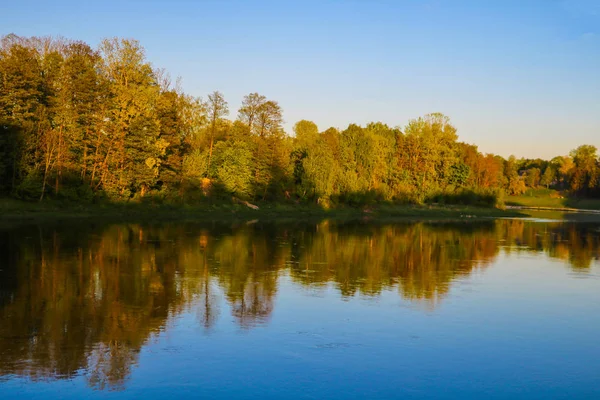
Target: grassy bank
[(551, 199), (15, 211)]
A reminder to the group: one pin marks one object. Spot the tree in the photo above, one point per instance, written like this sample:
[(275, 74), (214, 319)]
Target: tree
[(269, 161), (459, 174), (269, 118), (532, 177), (233, 167), (133, 151), (320, 172), (384, 141), (22, 107), (307, 134), (251, 106), (586, 172), (429, 151), (515, 185), (85, 92), (217, 108), (548, 177)]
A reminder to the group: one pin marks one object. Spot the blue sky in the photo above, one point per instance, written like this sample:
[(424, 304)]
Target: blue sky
[(516, 77)]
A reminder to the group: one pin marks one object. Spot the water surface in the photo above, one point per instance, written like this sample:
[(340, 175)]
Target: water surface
[(494, 309)]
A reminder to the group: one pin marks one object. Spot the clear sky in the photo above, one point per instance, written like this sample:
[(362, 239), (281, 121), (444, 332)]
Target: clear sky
[(515, 76)]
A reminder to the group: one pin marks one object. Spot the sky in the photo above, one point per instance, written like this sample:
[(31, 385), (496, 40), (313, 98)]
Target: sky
[(516, 77)]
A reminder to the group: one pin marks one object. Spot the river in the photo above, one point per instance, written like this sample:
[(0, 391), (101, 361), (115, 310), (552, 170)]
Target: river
[(494, 309)]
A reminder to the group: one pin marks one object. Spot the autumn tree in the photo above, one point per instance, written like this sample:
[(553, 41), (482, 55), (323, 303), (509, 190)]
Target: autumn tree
[(217, 108), (586, 172), (429, 150), (250, 109), (263, 119), (22, 111), (80, 123), (515, 184)]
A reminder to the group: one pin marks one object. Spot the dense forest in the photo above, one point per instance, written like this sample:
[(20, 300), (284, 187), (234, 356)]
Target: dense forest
[(86, 124)]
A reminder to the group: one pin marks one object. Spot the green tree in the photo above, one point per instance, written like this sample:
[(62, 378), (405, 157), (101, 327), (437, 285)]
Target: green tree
[(532, 177), (250, 109), (306, 134), (586, 172), (548, 177), (22, 110), (429, 150), (233, 167), (217, 108), (134, 152), (515, 185)]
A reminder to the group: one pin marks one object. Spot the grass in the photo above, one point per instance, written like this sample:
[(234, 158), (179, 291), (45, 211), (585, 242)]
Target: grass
[(548, 198), (15, 211)]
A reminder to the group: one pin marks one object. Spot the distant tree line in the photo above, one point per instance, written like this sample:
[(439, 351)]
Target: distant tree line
[(87, 124)]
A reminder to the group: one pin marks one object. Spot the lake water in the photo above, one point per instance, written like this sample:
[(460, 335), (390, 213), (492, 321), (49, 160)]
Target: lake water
[(504, 309)]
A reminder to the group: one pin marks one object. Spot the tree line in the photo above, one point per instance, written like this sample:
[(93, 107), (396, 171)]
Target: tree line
[(85, 124)]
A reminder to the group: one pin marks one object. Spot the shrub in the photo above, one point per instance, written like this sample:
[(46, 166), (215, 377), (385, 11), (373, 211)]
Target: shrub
[(469, 197)]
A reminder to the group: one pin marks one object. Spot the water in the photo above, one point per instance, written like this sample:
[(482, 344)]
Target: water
[(506, 309)]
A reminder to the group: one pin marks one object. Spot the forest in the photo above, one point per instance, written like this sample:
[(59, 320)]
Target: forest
[(102, 124)]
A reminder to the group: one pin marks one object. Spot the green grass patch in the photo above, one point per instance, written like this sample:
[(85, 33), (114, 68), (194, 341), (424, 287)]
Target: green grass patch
[(529, 201), (548, 198)]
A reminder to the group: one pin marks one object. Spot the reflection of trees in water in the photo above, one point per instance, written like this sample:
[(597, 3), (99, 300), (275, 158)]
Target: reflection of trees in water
[(110, 363), (87, 302), (577, 244), (90, 299), (245, 263), (421, 259)]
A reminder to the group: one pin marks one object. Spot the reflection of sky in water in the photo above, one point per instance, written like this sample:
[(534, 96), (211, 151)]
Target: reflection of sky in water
[(524, 326)]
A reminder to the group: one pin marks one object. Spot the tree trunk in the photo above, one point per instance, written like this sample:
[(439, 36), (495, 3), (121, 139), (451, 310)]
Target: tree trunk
[(212, 141), (58, 160)]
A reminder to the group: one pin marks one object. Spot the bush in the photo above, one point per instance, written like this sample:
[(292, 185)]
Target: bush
[(470, 197), (359, 199), (76, 193), (30, 188)]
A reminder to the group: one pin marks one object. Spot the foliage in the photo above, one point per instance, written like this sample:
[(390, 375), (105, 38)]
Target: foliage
[(233, 168), (83, 124), (469, 197)]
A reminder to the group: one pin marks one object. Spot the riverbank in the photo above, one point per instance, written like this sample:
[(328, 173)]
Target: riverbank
[(15, 212), (554, 209), (548, 199)]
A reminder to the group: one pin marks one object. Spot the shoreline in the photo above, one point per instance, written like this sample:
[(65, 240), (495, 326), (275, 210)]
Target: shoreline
[(557, 209), (18, 212)]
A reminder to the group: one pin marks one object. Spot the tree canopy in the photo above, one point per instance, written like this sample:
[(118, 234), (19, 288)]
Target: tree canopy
[(82, 123)]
